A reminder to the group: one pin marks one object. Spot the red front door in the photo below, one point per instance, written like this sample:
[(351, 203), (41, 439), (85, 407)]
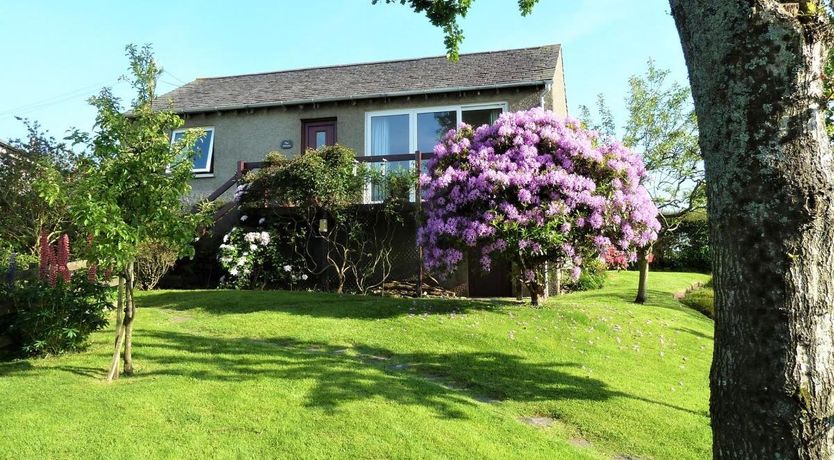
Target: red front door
[(317, 133)]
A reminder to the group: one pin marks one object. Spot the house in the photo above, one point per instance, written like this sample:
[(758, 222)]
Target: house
[(378, 108)]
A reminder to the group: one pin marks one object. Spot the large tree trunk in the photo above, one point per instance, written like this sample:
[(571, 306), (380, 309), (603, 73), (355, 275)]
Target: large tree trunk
[(643, 268), (756, 74)]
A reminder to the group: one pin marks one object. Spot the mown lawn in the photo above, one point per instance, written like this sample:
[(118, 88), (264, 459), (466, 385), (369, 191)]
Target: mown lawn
[(225, 374)]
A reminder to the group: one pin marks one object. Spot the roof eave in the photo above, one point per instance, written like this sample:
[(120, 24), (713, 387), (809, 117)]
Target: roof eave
[(260, 105)]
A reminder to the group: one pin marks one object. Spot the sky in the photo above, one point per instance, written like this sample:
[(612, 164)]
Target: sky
[(55, 54)]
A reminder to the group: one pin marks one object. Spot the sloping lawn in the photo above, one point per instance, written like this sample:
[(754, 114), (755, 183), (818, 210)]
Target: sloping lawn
[(225, 374)]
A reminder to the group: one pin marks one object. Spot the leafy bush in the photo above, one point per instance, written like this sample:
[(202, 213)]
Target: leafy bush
[(324, 178), (261, 259), (152, 262), (25, 172), (48, 320), (593, 276)]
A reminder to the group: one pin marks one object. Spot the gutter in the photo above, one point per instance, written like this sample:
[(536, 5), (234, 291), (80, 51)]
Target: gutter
[(546, 83)]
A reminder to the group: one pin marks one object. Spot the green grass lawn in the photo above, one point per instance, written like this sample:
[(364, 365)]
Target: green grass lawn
[(229, 374)]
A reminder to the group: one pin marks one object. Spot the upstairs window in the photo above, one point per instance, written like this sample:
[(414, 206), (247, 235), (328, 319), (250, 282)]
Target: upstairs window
[(204, 148)]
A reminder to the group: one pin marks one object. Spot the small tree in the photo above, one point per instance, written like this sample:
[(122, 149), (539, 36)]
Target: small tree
[(661, 126), (533, 188), (131, 189)]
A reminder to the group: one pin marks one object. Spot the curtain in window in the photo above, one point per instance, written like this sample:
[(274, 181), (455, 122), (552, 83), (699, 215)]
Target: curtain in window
[(389, 135), (380, 135)]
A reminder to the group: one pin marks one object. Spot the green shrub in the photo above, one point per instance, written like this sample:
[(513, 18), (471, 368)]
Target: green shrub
[(48, 320), (593, 276), (701, 299), (152, 262), (264, 259)]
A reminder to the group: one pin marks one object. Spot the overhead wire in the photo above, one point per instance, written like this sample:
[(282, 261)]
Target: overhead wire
[(56, 99)]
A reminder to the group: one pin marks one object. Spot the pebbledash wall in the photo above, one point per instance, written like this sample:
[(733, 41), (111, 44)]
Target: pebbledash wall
[(249, 134)]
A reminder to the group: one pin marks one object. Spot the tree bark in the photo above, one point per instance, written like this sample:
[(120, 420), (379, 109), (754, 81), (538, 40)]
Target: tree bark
[(643, 268), (113, 373), (756, 75), (130, 311), (534, 293)]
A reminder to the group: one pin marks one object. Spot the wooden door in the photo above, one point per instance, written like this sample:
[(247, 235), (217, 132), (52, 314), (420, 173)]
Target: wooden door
[(317, 133)]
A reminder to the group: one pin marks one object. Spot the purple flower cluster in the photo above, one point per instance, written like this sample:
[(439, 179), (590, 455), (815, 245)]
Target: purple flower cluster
[(533, 187)]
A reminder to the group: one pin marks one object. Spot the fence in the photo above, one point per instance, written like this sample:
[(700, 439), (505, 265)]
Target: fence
[(415, 160)]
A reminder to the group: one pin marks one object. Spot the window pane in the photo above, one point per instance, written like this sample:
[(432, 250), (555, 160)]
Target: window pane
[(201, 159), (476, 118), (201, 148), (389, 134), (432, 126), (321, 138)]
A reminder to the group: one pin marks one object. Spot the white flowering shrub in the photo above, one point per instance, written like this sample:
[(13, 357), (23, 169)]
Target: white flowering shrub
[(261, 259)]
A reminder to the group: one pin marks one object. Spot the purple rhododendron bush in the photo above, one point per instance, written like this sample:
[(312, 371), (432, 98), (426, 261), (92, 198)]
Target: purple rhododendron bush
[(533, 188)]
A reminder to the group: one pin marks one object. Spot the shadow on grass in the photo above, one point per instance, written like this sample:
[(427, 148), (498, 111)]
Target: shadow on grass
[(312, 304), (441, 382), (10, 367), (695, 333)]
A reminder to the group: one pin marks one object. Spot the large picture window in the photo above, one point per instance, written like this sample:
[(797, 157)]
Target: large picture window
[(404, 131), (204, 148)]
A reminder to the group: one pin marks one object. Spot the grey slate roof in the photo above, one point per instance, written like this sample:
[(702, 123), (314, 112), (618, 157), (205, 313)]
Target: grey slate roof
[(495, 69)]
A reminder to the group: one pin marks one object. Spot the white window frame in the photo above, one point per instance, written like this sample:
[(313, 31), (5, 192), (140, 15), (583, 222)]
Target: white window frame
[(412, 119), (201, 172), (412, 127)]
